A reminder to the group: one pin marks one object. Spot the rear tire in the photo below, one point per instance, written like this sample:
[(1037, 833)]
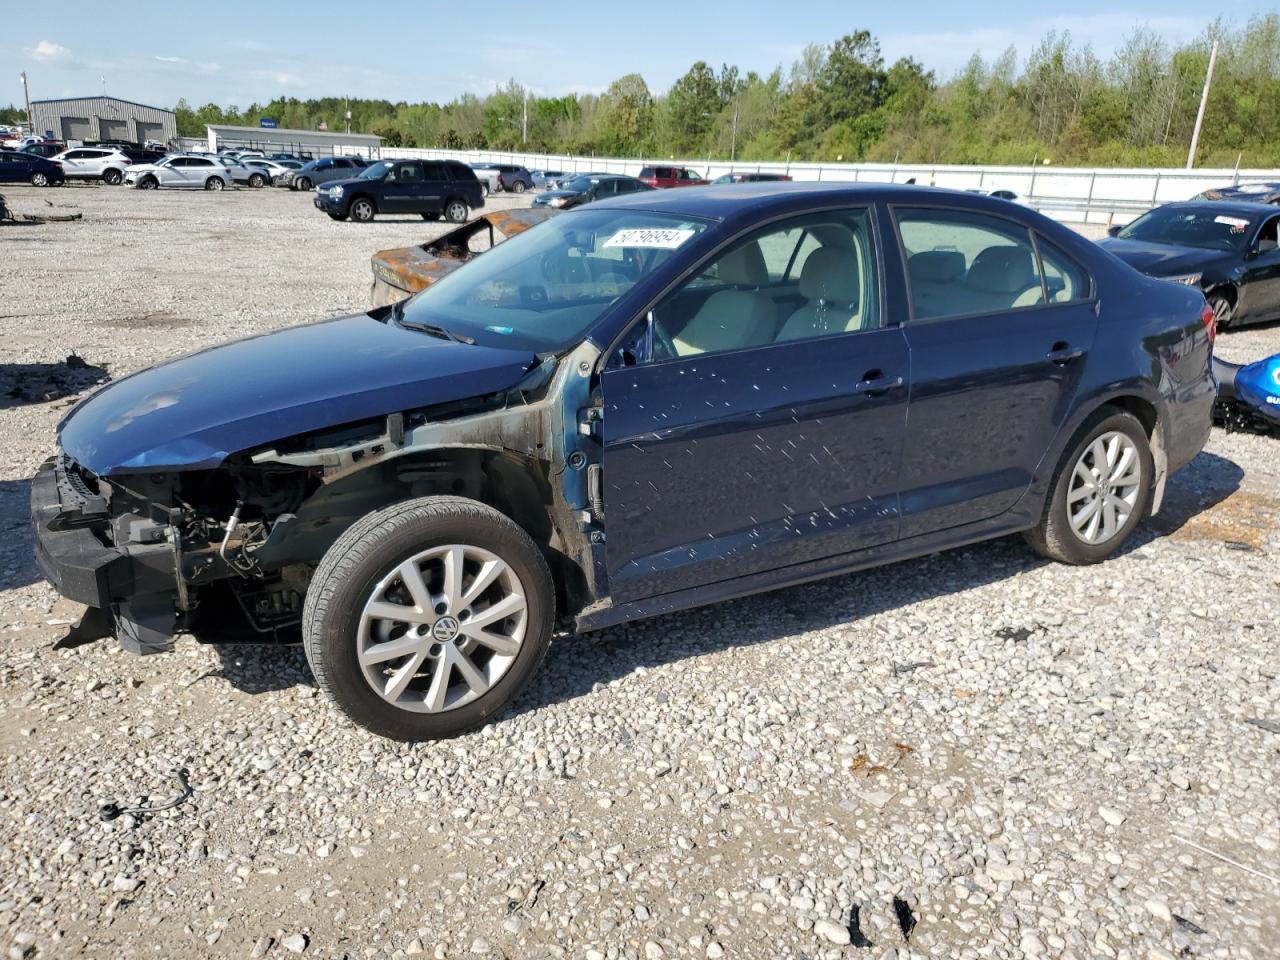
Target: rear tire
[(456, 211), (214, 183), (1086, 478), (112, 177), (257, 180), (39, 179), (361, 569)]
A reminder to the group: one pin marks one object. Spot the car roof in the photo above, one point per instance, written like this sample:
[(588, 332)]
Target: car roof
[(1244, 208), (764, 197)]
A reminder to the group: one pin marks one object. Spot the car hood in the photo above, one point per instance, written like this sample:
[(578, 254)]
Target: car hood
[(347, 182), (193, 412), (140, 168), (1163, 259)]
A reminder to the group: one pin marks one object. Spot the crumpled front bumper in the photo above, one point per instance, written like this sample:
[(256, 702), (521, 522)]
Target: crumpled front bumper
[(136, 584)]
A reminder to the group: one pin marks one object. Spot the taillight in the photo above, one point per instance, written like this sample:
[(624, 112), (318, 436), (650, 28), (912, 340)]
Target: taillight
[(1209, 321)]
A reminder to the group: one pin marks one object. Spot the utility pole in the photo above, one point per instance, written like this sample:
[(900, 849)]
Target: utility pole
[(524, 122), (347, 106), (31, 120), (733, 140), (1204, 102)]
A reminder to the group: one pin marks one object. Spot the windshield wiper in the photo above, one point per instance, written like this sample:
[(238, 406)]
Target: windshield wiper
[(434, 329)]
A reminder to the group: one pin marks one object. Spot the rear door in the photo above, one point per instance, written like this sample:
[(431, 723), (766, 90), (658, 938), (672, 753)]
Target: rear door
[(751, 439), (434, 187), (998, 347)]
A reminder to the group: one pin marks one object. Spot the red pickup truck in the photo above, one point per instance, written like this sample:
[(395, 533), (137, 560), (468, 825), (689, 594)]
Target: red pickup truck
[(671, 177)]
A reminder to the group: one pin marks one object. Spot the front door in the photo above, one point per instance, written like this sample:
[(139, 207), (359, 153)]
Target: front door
[(763, 425), (1261, 280), (398, 188), (998, 346)]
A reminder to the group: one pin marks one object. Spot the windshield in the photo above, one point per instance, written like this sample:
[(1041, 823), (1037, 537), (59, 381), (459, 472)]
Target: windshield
[(579, 184), (1198, 227), (545, 288), (375, 172)]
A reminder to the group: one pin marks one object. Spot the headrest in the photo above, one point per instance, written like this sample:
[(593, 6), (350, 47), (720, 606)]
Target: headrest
[(830, 275), (936, 266), (744, 265), (1002, 270)]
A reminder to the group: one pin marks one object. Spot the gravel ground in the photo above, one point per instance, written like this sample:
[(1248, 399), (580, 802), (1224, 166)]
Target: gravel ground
[(975, 754)]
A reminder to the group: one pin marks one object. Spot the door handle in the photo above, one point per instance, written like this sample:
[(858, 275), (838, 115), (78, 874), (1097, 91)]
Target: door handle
[(873, 384), (1063, 353)]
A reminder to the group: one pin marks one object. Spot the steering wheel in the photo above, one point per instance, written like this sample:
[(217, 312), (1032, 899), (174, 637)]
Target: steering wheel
[(661, 339)]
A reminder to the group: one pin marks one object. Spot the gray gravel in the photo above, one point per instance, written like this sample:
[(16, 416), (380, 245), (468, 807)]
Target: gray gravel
[(975, 754)]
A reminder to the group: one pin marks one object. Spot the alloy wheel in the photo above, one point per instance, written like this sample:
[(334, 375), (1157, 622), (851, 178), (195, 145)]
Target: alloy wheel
[(1105, 484), (442, 628)]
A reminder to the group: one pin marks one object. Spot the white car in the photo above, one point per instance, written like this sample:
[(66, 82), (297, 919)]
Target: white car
[(182, 170), (93, 163), (272, 170)]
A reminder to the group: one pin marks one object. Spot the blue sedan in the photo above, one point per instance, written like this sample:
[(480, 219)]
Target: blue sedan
[(17, 167), (643, 405)]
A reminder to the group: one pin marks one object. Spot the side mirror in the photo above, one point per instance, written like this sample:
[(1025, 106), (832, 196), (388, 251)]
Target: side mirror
[(1113, 230)]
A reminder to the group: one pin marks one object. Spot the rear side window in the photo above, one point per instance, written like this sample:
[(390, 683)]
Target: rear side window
[(1064, 278), (460, 171), (961, 263), (648, 172), (433, 170)]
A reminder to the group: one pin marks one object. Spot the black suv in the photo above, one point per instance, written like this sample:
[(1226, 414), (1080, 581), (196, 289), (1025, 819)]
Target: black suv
[(427, 187)]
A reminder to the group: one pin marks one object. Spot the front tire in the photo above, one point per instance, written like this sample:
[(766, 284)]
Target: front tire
[(518, 187), (428, 617), (214, 183), (257, 180), (362, 210), (1101, 490), (112, 177), (302, 183), (1223, 309), (148, 183)]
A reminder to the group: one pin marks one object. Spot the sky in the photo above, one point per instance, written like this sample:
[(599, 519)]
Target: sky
[(430, 51)]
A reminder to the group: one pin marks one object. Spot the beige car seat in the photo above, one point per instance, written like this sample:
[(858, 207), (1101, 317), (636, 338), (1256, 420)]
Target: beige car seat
[(829, 284), (732, 319)]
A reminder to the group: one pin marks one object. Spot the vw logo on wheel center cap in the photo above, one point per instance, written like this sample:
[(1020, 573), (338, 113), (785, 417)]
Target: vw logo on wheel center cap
[(445, 629)]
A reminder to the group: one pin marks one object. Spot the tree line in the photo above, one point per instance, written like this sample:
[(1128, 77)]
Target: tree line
[(842, 102)]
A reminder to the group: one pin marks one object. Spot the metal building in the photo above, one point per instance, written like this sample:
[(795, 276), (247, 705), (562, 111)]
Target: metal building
[(320, 143), (102, 118)]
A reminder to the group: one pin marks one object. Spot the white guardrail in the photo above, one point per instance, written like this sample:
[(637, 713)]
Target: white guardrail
[(1074, 194)]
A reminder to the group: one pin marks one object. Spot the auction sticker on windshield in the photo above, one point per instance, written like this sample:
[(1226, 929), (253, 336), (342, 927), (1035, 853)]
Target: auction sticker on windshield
[(654, 238), (1235, 223)]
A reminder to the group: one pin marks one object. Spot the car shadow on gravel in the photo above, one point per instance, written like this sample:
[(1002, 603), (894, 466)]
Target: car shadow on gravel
[(17, 567), (577, 666)]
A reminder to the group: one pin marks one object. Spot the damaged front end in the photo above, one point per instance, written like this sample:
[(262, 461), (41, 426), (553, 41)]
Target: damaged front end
[(227, 552), (404, 271)]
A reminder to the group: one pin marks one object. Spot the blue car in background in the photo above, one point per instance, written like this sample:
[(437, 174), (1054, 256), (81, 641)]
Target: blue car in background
[(642, 405), (19, 167)]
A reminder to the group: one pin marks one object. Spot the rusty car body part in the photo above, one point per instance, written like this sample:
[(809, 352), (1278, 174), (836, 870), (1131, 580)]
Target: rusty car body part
[(404, 271)]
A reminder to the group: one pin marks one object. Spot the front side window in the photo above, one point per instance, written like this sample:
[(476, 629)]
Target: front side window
[(961, 263), (544, 289), (753, 294)]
